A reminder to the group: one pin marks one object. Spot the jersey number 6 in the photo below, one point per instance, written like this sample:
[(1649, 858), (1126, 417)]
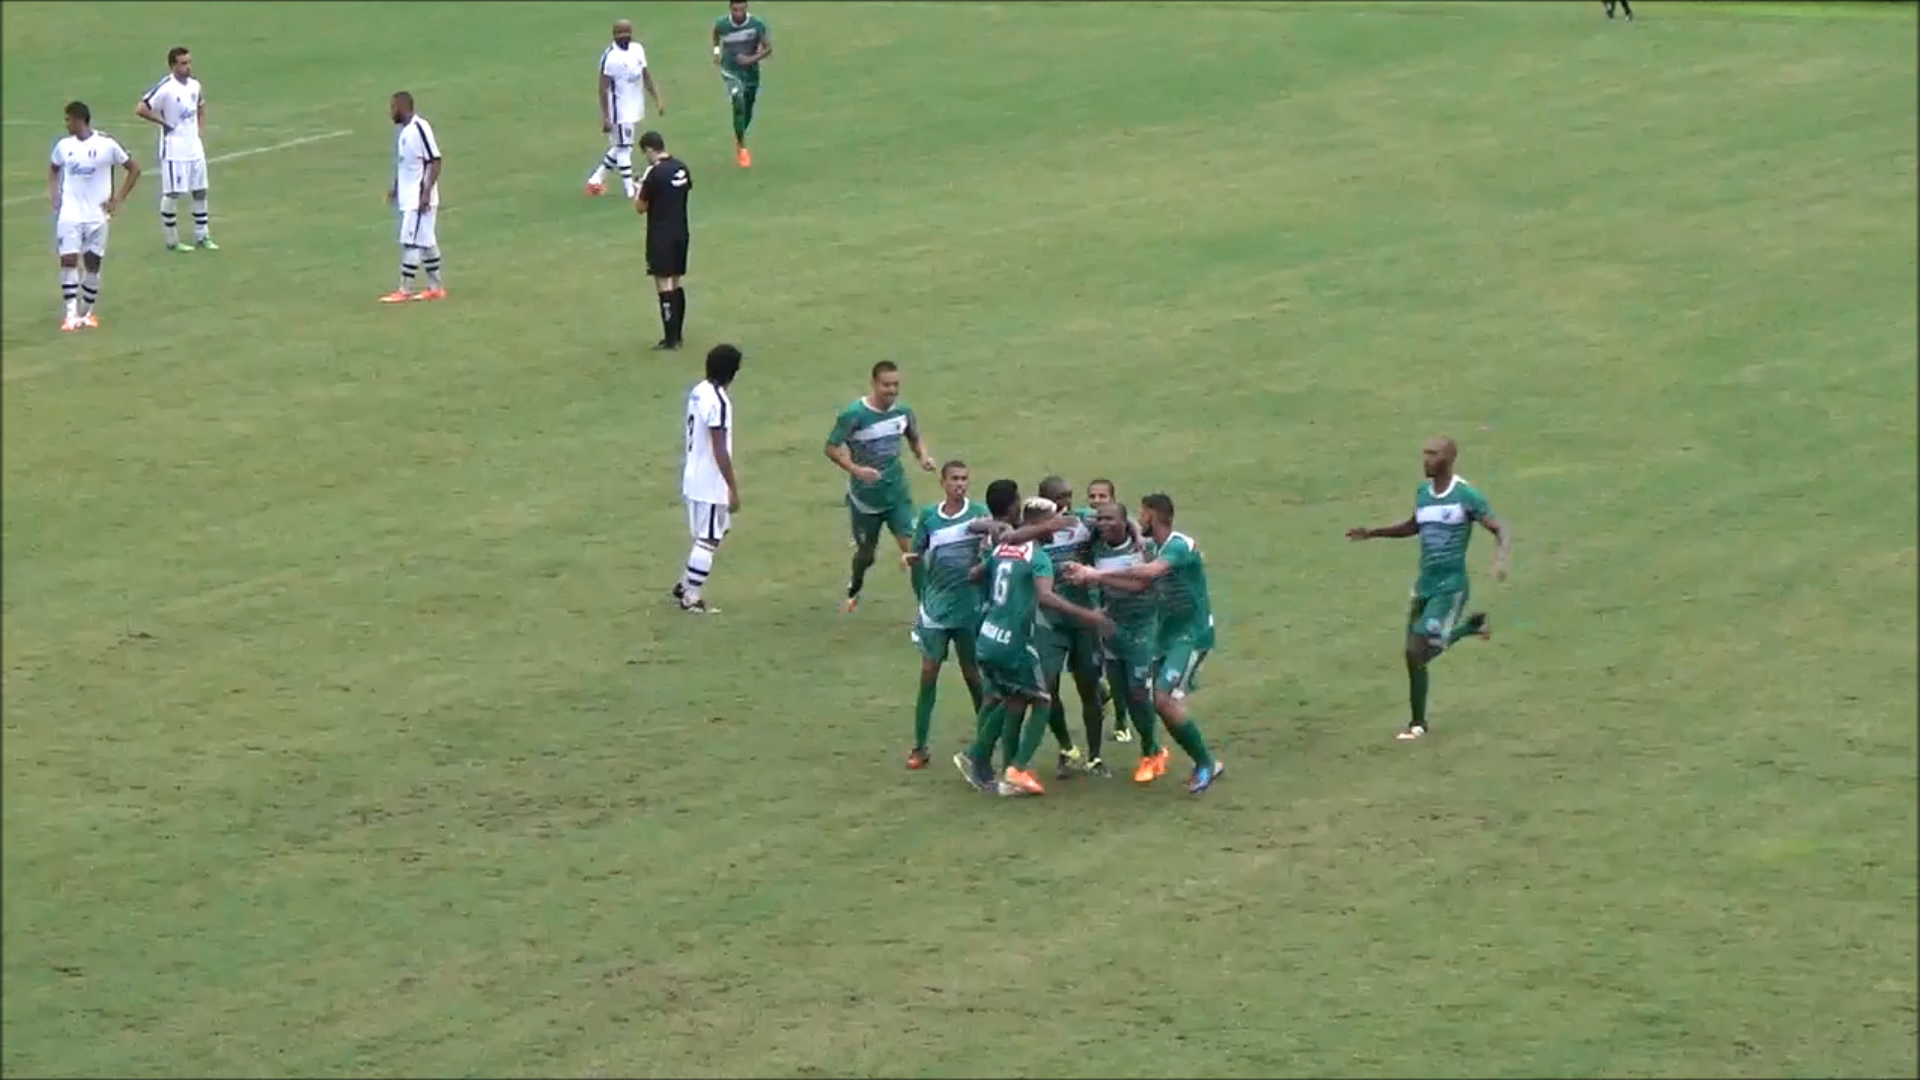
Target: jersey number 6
[(1002, 577)]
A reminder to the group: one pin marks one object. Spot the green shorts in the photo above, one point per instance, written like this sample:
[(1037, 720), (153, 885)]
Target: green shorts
[(935, 640), (1433, 616), (1017, 676), (1066, 649), (1177, 668), (745, 80), (897, 518), (1131, 658)]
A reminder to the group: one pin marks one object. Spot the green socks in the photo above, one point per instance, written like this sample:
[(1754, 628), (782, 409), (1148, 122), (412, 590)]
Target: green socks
[(1188, 736), (923, 713), (1030, 744), (1417, 693), (1145, 723), (862, 560), (987, 732)]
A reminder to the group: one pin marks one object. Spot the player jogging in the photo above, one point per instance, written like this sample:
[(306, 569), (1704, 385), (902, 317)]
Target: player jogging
[(1100, 492), (661, 195), (1445, 509), (1179, 581), (707, 480), (865, 443), (624, 74), (178, 105), (80, 189), (1019, 581), (416, 193), (1128, 653), (740, 43), (944, 553)]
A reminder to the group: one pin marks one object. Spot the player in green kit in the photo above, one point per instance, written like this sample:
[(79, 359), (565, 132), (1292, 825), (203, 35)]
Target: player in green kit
[(944, 554), (1067, 647), (1178, 578), (865, 442), (1445, 509), (1099, 493), (1128, 654), (1019, 581), (740, 44)]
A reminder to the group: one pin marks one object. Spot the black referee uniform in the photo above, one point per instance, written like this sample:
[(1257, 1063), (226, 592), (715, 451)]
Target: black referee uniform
[(662, 196)]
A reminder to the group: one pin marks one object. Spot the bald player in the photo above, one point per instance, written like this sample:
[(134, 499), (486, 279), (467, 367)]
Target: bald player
[(1445, 508), (624, 74)]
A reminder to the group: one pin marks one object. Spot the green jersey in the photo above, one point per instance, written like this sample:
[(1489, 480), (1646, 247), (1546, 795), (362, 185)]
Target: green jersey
[(1181, 594), (873, 438), (740, 39), (1006, 632), (1446, 525), (1134, 614), (1073, 544), (948, 601)]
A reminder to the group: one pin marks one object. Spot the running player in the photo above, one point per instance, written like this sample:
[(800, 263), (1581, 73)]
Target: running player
[(1179, 580), (1445, 508), (1019, 586), (865, 443), (740, 43), (1128, 653), (943, 555)]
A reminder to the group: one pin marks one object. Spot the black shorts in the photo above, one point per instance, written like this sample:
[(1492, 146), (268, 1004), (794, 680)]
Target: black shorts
[(667, 255)]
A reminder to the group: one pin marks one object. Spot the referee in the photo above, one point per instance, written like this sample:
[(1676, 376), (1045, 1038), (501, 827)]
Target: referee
[(661, 194)]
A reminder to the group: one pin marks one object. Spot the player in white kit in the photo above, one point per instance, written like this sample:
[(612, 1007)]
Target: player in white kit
[(623, 75), (416, 193), (178, 105), (80, 187), (707, 480)]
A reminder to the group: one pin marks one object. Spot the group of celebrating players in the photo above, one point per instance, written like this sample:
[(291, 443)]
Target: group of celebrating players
[(1028, 592)]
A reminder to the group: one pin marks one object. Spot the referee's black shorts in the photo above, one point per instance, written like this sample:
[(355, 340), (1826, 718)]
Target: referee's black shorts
[(667, 254)]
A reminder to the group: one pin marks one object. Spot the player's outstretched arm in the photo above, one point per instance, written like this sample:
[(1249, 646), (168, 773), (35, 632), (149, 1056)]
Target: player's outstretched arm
[(1059, 605), (1397, 531), (1039, 530)]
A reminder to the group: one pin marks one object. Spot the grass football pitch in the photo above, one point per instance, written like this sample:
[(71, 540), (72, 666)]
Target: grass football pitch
[(348, 730)]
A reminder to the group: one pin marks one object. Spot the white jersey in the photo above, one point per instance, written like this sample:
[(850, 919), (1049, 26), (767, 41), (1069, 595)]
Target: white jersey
[(413, 150), (86, 176), (178, 106), (708, 408), (625, 67)]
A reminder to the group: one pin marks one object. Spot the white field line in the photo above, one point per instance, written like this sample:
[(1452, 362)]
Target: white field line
[(218, 158)]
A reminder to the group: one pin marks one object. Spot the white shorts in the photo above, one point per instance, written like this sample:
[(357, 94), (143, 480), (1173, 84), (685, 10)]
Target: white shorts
[(417, 228), (708, 521), (620, 136), (70, 238), (182, 177)]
